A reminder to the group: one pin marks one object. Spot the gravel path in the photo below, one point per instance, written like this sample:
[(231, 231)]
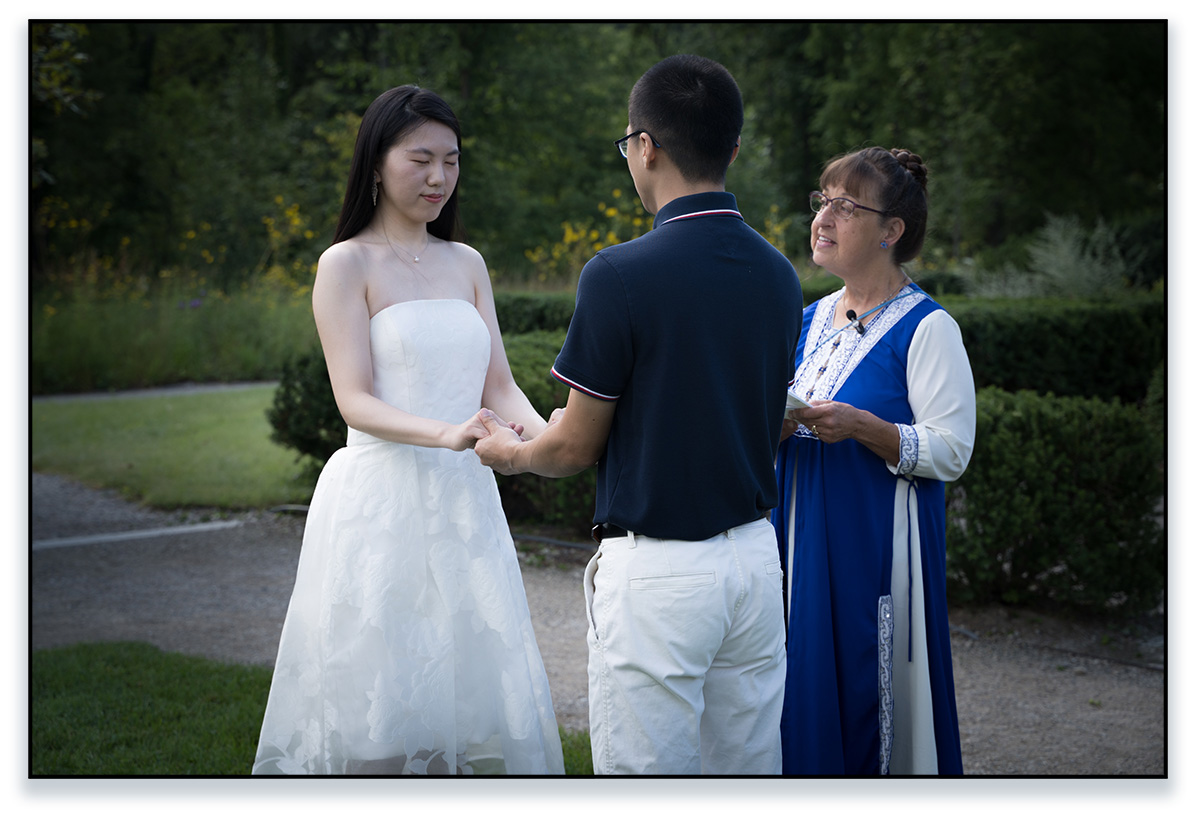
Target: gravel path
[(1036, 695)]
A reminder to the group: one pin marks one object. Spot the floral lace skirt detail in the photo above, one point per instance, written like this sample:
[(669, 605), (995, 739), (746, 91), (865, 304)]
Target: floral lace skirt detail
[(408, 646)]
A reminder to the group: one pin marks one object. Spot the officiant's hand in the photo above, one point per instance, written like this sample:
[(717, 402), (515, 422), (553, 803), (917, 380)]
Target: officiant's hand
[(496, 450), (830, 421)]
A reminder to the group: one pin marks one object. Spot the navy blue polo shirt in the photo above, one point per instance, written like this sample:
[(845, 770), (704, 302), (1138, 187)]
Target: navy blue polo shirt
[(691, 329)]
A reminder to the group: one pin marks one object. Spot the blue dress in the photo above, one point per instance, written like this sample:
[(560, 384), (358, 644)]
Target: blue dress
[(870, 684)]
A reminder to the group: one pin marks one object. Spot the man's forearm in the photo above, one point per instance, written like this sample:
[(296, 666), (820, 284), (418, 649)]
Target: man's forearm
[(551, 454), (572, 444)]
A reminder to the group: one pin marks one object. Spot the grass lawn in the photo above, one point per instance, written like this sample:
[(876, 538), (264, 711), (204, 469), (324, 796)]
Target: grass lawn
[(127, 708), (208, 449)]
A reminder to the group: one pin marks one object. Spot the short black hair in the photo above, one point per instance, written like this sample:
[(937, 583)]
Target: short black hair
[(692, 107)]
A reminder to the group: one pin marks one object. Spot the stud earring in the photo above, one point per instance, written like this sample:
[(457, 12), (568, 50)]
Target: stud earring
[(883, 245), (374, 193)]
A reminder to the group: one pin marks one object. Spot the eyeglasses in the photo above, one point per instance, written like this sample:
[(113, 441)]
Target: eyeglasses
[(623, 143), (842, 208)]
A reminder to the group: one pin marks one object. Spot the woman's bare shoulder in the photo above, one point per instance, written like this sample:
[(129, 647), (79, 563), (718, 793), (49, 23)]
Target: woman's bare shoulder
[(342, 271), (464, 254), (468, 260), (346, 261), (348, 252)]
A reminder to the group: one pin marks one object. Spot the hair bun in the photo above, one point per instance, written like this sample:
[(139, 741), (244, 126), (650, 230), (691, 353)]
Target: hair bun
[(912, 163)]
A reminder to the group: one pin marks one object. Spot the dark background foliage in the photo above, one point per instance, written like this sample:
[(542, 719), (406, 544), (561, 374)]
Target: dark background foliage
[(154, 141)]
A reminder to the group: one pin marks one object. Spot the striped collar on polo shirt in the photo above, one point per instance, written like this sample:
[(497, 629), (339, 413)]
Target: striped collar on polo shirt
[(715, 212)]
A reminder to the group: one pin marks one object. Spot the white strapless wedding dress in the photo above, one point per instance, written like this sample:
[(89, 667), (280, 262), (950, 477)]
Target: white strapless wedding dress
[(408, 646)]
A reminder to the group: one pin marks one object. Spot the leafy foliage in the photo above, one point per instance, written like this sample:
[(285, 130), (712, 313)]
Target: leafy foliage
[(1000, 111), (520, 312), (137, 334), (1066, 347), (1155, 406), (568, 501), (208, 123), (1058, 505), (1067, 261), (531, 355), (304, 415)]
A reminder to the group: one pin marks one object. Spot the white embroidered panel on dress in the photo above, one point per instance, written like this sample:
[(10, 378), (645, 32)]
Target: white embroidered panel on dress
[(886, 625), (824, 371)]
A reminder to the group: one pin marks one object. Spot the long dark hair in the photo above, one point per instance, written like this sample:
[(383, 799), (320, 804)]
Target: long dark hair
[(392, 115)]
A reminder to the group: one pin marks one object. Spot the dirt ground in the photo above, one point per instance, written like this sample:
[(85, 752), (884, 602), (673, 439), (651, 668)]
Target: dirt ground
[(1038, 695)]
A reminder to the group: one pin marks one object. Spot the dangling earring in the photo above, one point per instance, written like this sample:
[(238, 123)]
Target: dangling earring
[(883, 245), (374, 192)]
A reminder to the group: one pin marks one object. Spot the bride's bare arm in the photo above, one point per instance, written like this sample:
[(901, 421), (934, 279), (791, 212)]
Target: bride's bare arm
[(343, 323), (501, 392)]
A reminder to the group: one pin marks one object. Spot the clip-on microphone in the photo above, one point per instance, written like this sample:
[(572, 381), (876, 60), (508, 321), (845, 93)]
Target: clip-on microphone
[(858, 326)]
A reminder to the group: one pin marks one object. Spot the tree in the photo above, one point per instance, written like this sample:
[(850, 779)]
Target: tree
[(56, 74), (220, 130)]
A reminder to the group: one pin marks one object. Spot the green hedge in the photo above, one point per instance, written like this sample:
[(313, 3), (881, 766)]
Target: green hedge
[(568, 502), (1069, 348), (304, 415), (1059, 504), (531, 355), (521, 312)]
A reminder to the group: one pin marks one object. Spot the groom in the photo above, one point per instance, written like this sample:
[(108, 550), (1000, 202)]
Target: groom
[(678, 358)]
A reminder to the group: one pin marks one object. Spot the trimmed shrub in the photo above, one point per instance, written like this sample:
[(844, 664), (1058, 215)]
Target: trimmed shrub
[(1058, 505), (941, 282), (567, 502), (531, 355), (304, 415), (522, 312), (1068, 348)]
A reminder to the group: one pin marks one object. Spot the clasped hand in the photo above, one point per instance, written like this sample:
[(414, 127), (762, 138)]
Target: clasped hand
[(466, 435), (499, 444), (828, 420)]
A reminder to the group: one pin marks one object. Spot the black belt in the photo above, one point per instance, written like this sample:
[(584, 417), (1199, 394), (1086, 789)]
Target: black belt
[(605, 531)]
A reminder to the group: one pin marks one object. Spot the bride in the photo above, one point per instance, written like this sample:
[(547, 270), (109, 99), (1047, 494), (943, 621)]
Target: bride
[(408, 646)]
